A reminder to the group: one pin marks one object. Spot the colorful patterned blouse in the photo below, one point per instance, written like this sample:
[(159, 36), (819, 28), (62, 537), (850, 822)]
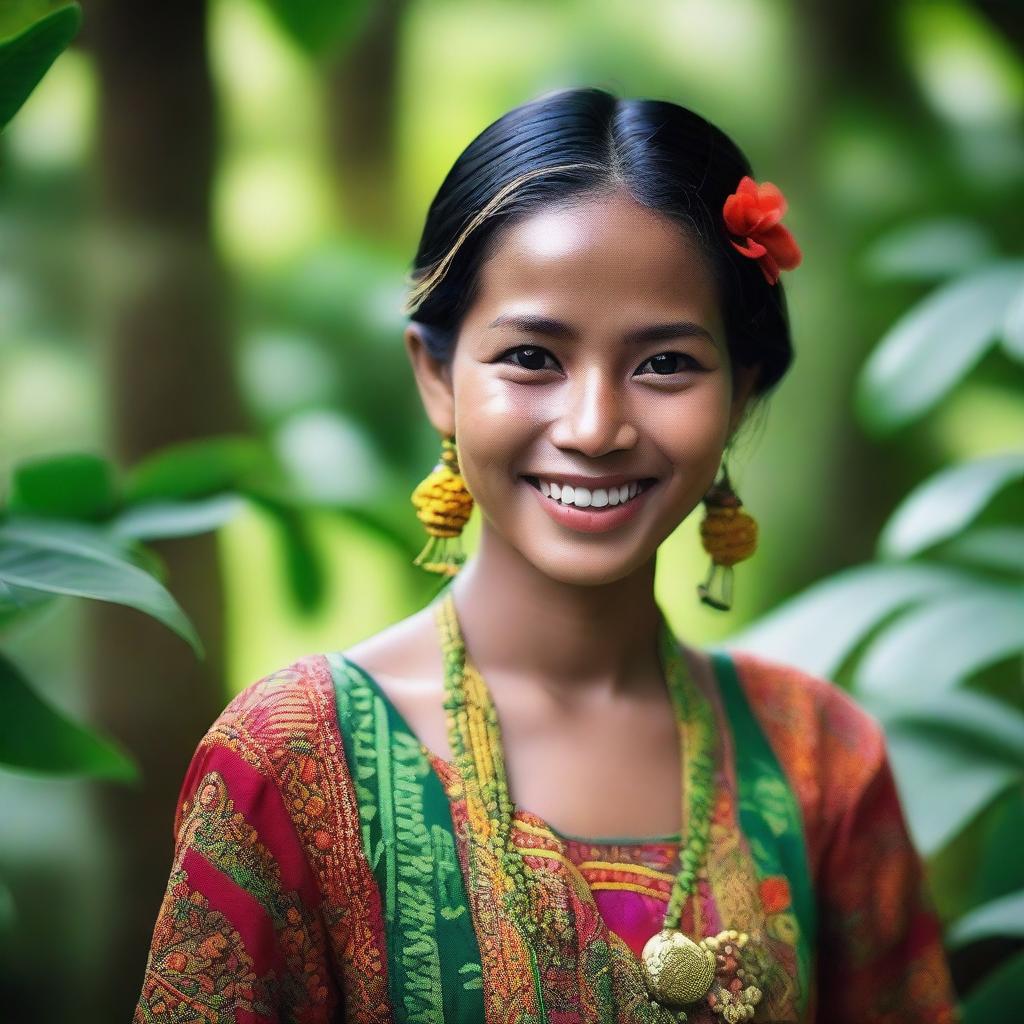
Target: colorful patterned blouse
[(322, 873)]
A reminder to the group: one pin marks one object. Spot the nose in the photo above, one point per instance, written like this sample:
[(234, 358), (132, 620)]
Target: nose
[(594, 418)]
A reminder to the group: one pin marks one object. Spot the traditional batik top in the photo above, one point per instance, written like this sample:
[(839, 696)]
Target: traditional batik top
[(325, 870)]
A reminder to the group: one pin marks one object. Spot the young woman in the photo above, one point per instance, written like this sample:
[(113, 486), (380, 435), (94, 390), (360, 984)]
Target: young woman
[(530, 801)]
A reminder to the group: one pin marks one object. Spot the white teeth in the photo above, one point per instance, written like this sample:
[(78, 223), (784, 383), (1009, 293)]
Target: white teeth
[(584, 497)]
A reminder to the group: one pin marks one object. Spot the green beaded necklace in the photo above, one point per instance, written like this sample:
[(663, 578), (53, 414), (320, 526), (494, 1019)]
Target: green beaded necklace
[(677, 970)]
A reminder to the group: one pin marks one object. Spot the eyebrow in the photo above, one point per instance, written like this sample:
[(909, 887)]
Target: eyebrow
[(534, 324)]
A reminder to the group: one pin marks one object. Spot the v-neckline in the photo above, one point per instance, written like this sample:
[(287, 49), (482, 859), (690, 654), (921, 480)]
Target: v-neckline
[(433, 759)]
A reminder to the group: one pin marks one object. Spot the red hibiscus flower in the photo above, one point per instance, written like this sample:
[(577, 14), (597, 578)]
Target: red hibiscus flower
[(753, 212)]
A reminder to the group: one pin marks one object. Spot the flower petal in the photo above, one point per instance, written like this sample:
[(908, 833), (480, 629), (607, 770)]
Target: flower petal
[(752, 249)]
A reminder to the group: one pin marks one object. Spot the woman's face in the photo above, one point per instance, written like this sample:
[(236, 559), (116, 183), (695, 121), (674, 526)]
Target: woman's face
[(577, 398)]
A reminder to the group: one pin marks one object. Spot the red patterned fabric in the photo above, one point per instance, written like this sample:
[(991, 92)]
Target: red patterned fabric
[(272, 913)]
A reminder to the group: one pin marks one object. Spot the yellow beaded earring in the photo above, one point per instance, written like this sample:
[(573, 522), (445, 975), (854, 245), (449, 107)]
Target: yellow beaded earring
[(728, 535), (443, 504)]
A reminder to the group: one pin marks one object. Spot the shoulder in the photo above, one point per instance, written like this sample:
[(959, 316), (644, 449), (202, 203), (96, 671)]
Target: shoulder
[(275, 760), (278, 733), (788, 698), (294, 701)]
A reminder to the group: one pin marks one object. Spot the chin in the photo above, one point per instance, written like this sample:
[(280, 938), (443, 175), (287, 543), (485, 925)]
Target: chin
[(581, 569)]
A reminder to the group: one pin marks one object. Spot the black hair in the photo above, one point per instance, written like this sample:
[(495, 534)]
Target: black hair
[(573, 144)]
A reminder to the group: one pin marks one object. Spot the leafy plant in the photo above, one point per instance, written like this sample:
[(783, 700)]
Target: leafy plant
[(922, 633)]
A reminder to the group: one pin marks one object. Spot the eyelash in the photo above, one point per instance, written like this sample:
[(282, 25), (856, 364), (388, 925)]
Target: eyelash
[(693, 367)]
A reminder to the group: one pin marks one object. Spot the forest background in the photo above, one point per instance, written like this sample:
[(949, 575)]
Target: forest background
[(209, 430)]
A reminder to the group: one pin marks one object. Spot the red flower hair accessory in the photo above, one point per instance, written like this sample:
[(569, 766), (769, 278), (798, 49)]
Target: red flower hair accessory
[(753, 212)]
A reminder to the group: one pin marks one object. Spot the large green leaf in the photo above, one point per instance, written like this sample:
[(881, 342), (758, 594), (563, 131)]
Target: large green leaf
[(946, 503), (818, 629), (320, 27), (26, 57), (930, 349), (952, 755), (999, 548), (36, 737), (8, 912), (1013, 328), (73, 559), (930, 251), (973, 718), (943, 782), (71, 486), (157, 519), (197, 469), (937, 645), (996, 995), (16, 602), (1004, 916)]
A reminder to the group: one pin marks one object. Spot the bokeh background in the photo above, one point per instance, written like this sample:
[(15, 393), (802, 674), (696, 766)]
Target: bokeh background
[(209, 430)]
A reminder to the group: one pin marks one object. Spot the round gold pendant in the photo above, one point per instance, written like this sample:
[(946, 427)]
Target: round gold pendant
[(677, 969)]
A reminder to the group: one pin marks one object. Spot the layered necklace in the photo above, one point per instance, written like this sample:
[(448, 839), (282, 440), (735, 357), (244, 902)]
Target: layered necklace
[(678, 971)]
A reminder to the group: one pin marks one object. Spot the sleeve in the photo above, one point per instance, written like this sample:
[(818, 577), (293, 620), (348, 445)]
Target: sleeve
[(239, 935), (880, 955)]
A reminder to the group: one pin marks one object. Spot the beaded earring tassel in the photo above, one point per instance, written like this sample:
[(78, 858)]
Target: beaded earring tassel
[(443, 505), (728, 535)]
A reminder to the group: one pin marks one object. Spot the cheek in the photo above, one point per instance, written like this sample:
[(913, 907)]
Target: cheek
[(694, 427), (495, 422)]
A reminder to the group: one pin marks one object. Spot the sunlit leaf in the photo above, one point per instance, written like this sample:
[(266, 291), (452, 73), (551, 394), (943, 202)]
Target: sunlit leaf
[(946, 503), (818, 629), (156, 519), (1001, 917), (930, 349), (935, 646), (36, 737), (71, 486), (61, 558), (320, 27), (929, 251), (27, 56)]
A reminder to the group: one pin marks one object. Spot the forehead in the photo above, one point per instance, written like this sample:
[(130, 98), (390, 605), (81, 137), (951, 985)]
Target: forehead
[(597, 257)]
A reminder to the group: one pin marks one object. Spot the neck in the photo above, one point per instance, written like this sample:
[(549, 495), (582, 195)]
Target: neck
[(578, 642)]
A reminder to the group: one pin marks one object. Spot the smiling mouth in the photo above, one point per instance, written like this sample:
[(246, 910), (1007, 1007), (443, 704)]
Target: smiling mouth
[(643, 484)]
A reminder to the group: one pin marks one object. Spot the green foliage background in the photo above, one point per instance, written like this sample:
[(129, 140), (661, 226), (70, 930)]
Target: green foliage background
[(205, 349)]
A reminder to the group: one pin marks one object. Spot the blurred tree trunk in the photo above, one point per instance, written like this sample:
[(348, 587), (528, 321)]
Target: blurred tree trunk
[(362, 113), (163, 305)]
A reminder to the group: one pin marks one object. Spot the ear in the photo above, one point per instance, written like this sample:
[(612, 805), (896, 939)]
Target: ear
[(434, 381), (743, 380)]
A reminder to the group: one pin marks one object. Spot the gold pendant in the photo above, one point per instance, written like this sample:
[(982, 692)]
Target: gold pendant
[(677, 969)]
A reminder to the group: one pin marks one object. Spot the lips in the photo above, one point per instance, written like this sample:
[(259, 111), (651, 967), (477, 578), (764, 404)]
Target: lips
[(589, 519)]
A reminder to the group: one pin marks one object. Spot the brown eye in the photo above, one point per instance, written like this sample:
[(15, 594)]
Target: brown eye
[(667, 363), (528, 357)]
